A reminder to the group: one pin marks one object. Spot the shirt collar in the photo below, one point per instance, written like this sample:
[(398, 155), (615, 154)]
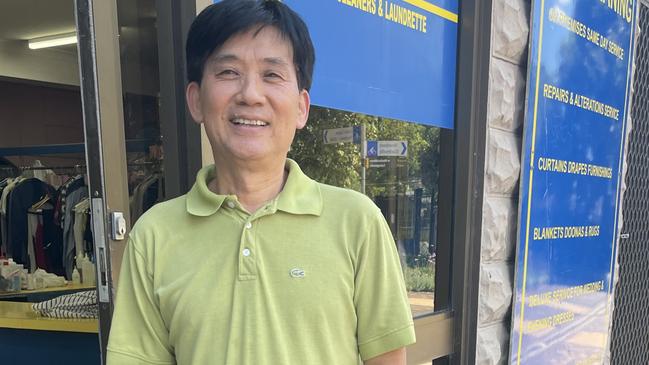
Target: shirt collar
[(301, 194)]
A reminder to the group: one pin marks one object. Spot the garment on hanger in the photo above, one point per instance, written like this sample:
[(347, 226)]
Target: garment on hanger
[(81, 217), (45, 175), (70, 186), (145, 195), (3, 249), (34, 238), (69, 194), (153, 193), (44, 246), (69, 246), (52, 242), (136, 200), (22, 197), (4, 229)]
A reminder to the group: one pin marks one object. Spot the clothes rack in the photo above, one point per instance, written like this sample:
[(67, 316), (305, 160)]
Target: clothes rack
[(78, 167), (132, 145)]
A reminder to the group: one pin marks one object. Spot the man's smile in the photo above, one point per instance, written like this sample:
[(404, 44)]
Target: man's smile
[(249, 122)]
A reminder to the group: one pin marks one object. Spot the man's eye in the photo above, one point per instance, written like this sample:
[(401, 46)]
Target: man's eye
[(228, 73), (273, 75)]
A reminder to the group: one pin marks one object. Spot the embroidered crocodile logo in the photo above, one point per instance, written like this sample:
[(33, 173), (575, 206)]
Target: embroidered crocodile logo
[(297, 273)]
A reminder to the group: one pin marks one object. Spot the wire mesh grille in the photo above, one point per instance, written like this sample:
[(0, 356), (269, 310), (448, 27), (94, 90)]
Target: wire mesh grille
[(630, 335)]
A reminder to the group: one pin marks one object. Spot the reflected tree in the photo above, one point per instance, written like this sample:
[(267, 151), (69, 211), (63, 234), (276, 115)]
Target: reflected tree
[(340, 164)]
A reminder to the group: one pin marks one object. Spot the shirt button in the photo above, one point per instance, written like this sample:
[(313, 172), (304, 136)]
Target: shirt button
[(231, 205), (248, 225), (246, 252)]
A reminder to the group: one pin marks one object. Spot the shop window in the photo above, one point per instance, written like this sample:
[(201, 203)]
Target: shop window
[(401, 177), (141, 103)]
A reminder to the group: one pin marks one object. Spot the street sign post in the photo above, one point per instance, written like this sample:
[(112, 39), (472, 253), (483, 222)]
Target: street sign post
[(354, 134), (387, 148), (342, 135), (372, 148), (379, 163)]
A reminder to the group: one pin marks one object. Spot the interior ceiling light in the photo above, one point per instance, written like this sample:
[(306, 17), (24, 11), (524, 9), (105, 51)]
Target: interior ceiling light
[(53, 40)]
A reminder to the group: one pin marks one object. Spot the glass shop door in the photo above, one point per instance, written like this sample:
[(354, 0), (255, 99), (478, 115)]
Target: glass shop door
[(105, 144), (140, 145), (47, 250)]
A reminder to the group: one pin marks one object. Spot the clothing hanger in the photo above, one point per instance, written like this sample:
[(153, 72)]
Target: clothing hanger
[(38, 206)]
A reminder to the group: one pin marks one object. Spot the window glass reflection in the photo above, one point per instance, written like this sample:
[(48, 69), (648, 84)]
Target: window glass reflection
[(141, 88), (401, 177)]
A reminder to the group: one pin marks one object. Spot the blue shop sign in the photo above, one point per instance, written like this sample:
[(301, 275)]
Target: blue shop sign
[(395, 59), (578, 95), (389, 58)]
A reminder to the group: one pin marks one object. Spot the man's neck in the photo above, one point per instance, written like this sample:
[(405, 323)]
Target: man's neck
[(253, 184)]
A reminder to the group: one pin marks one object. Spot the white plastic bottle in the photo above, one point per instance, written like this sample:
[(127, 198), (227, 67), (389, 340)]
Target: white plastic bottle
[(90, 268), (88, 271), (23, 279), (31, 285), (39, 282), (11, 271), (76, 277)]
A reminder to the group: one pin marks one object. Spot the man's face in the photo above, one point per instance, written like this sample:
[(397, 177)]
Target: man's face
[(248, 99)]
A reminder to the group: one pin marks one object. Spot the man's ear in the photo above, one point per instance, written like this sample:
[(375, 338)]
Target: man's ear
[(304, 106), (193, 96)]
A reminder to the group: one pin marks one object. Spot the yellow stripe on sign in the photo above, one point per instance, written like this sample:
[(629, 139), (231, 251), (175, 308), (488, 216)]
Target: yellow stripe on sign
[(529, 191), (425, 5)]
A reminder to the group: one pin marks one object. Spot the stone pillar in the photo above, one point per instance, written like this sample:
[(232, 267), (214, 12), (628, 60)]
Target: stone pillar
[(507, 77)]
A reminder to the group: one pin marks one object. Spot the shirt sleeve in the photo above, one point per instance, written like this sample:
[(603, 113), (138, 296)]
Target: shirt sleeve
[(138, 333), (383, 311)]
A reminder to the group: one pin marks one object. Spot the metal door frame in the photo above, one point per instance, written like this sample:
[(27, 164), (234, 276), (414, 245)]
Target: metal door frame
[(454, 328), (101, 91), (474, 55), (101, 95)]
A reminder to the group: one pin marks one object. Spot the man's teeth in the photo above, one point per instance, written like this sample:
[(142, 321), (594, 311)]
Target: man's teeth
[(249, 122)]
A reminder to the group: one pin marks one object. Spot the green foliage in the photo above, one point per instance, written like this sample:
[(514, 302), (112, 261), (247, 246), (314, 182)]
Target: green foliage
[(424, 259), (333, 164), (420, 279), (419, 272)]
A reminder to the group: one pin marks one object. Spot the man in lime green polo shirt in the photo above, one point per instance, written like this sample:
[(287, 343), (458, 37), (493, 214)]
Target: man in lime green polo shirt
[(258, 264)]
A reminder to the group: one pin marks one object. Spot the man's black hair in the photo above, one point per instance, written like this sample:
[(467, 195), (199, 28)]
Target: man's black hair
[(221, 21)]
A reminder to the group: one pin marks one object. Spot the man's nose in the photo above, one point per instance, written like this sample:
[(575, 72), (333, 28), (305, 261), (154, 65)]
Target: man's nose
[(251, 91)]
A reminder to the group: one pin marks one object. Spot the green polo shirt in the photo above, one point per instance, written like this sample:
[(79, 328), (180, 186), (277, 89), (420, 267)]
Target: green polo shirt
[(312, 277)]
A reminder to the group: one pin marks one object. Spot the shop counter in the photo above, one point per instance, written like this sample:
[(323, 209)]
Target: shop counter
[(21, 316), (39, 295), (27, 338)]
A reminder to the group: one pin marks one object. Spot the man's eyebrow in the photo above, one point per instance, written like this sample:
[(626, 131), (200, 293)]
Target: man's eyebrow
[(223, 58), (277, 61)]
